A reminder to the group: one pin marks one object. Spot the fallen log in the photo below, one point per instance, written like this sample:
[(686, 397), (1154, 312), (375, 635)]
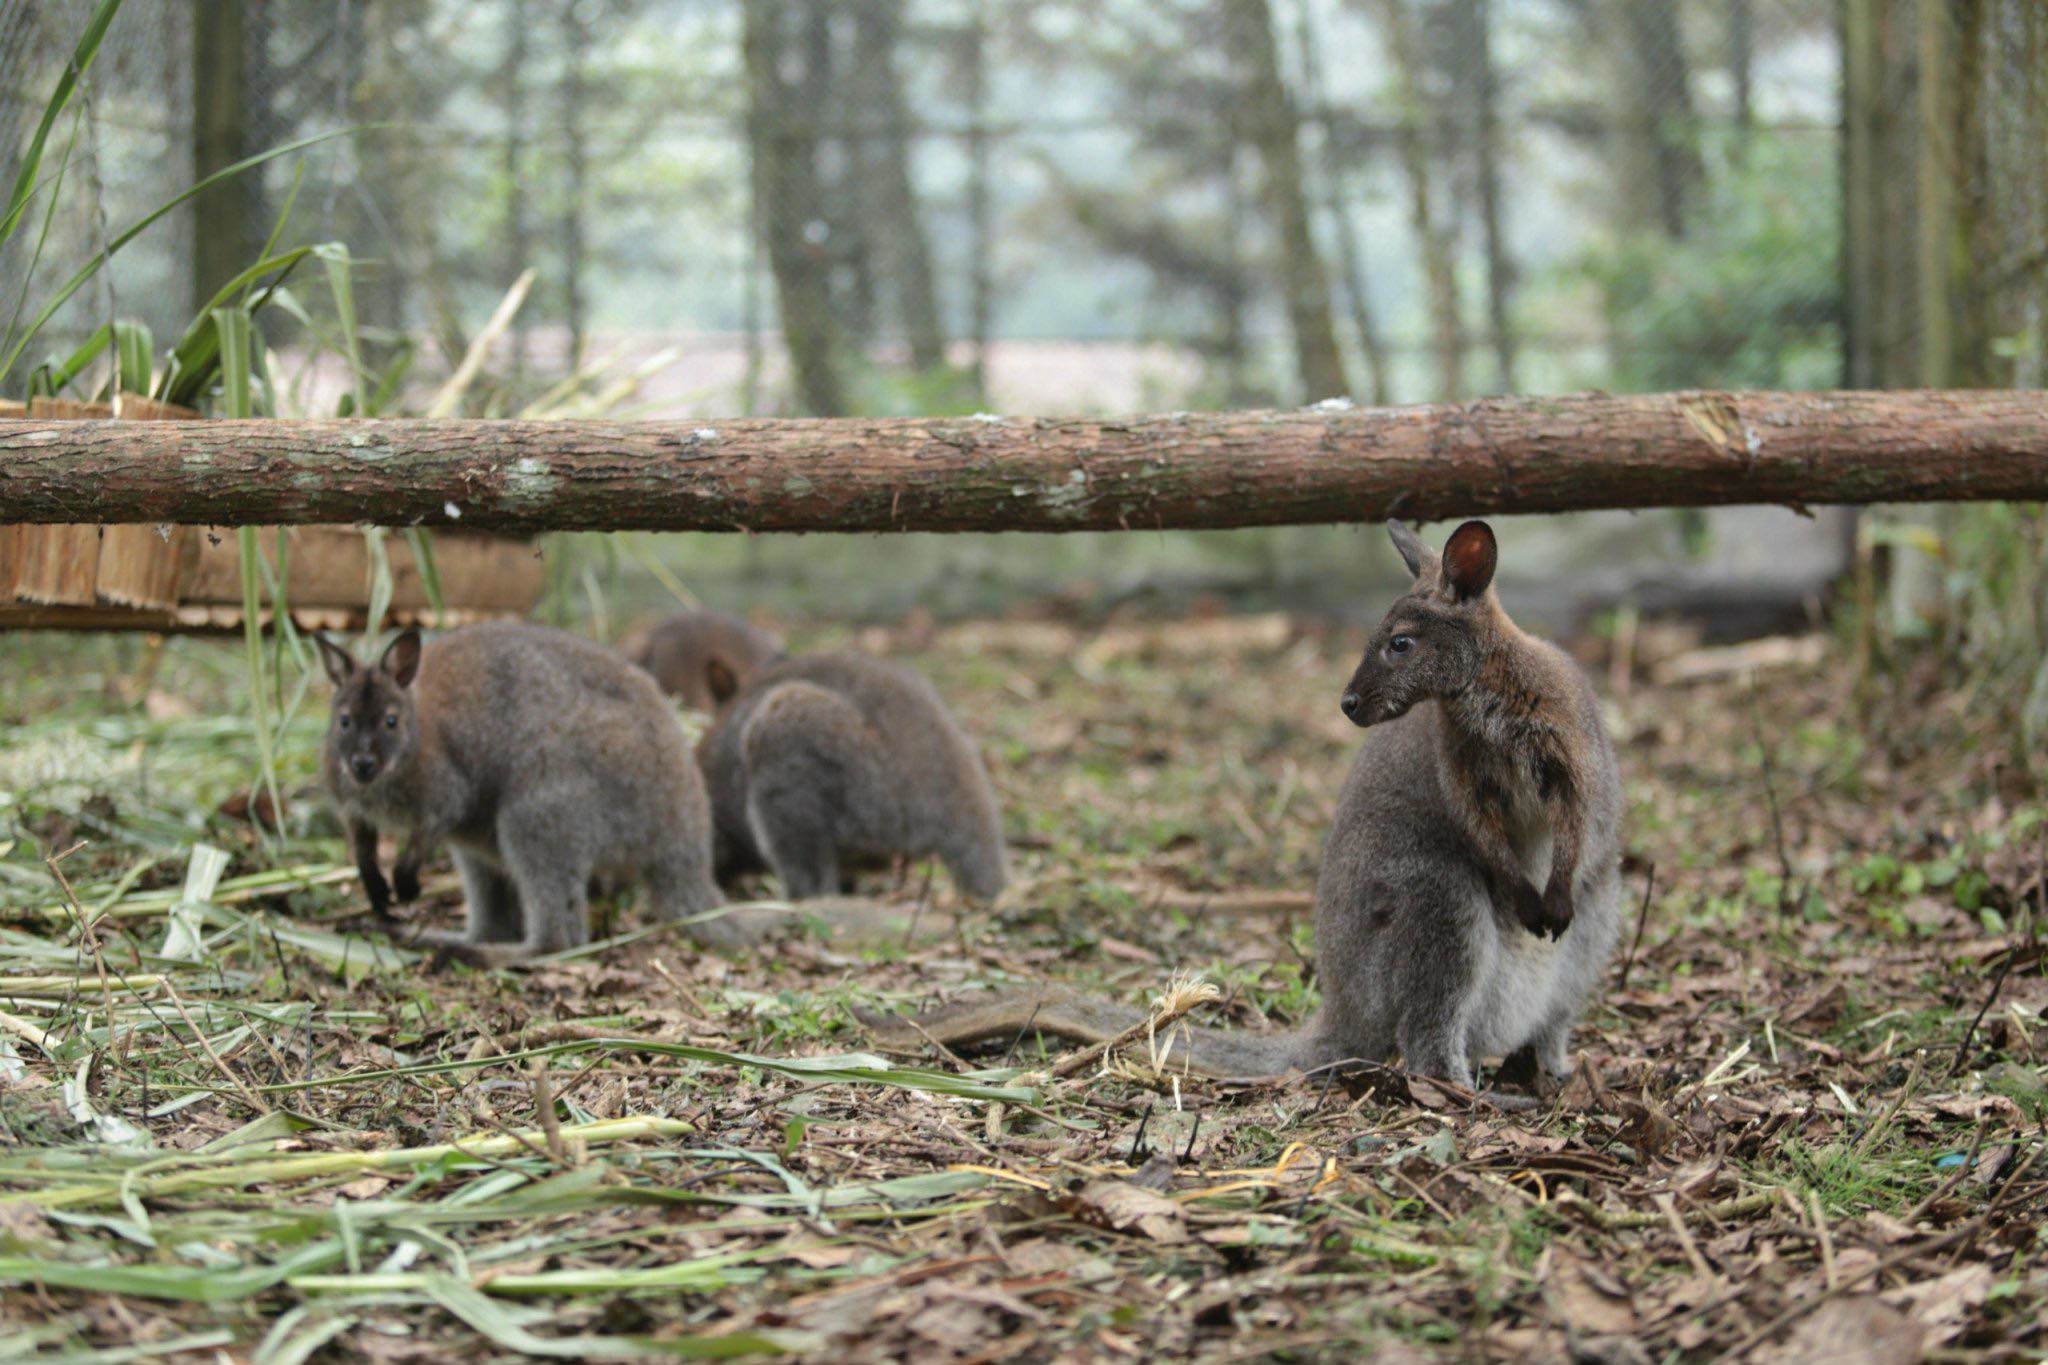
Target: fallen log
[(1185, 470)]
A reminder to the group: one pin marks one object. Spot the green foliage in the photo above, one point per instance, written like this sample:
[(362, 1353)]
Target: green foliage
[(1749, 297)]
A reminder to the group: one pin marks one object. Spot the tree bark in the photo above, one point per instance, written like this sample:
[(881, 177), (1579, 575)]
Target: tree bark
[(1439, 264), (895, 228), (1051, 474), (575, 31), (1269, 113), (517, 241), (1337, 196), (226, 220), (1475, 23), (787, 190)]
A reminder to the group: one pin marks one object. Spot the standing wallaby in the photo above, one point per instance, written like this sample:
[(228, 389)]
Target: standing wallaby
[(824, 758), (1470, 890), (542, 759), (701, 657)]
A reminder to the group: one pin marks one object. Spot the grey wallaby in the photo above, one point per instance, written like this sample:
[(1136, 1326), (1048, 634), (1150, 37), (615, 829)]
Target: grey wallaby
[(823, 759), (541, 759), (701, 657), (1470, 889)]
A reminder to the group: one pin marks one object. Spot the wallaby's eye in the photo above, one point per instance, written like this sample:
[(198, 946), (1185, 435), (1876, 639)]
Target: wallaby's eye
[(1400, 644), (346, 722), (391, 720)]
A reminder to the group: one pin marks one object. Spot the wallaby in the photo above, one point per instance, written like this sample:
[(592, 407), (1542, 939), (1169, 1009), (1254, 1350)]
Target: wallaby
[(701, 657), (542, 759), (827, 758), (1487, 775)]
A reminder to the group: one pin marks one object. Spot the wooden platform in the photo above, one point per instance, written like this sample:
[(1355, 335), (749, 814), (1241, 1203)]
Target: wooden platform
[(188, 578)]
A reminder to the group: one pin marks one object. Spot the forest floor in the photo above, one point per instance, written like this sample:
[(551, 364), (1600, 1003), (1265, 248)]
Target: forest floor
[(1807, 1118)]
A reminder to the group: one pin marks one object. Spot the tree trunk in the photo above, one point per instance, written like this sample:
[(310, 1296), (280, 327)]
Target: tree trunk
[(576, 173), (1337, 195), (981, 223), (1475, 29), (226, 220), (895, 228), (1439, 264), (1742, 65), (786, 188), (1659, 82), (1269, 114), (518, 239), (983, 474)]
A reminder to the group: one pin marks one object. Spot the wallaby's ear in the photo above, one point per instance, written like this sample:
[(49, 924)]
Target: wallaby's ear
[(1414, 553), (402, 657), (338, 662), (1469, 558), (719, 677)]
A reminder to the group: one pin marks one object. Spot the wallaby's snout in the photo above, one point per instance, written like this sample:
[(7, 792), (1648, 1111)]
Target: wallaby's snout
[(363, 767)]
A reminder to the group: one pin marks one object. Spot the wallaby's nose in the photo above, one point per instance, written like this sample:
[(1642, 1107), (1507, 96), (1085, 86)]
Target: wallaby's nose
[(1350, 704), (363, 766)]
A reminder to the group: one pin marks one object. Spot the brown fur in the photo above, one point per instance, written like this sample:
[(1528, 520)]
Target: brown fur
[(541, 759), (827, 758), (1485, 757), (701, 657)]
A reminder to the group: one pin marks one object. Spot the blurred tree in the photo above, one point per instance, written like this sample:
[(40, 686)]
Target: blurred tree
[(1434, 238), (887, 191), (1331, 170), (513, 169), (572, 97), (227, 220), (783, 80), (1268, 115), (1479, 92)]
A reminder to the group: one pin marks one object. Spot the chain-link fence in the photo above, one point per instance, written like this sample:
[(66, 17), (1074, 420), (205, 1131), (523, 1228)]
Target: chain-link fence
[(926, 205)]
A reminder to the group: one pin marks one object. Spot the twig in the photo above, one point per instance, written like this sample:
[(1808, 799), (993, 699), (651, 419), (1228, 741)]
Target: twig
[(1642, 918), (1969, 1034), (544, 1110), (1770, 772), (249, 1096)]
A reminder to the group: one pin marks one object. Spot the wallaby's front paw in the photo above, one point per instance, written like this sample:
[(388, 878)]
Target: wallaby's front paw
[(1524, 902), (405, 882), (1554, 912)]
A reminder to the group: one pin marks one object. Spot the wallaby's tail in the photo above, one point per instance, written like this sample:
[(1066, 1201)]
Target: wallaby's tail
[(1220, 1054)]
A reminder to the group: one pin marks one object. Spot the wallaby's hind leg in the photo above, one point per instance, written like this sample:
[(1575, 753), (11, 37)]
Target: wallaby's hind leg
[(551, 874), (680, 886), (798, 838), (815, 788), (491, 900)]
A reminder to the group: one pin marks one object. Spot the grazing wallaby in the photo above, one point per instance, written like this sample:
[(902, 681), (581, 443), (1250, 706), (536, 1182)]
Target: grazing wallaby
[(542, 759), (826, 758), (1470, 889), (701, 657)]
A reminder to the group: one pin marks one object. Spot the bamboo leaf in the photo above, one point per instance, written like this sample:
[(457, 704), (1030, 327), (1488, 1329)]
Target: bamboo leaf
[(127, 235), (67, 84)]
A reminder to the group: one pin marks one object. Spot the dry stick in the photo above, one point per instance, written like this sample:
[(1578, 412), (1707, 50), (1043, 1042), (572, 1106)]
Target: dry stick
[(1756, 715), (544, 1110), (1642, 918), (1075, 1061), (1827, 1241), (1955, 1067), (1669, 1208), (248, 1096)]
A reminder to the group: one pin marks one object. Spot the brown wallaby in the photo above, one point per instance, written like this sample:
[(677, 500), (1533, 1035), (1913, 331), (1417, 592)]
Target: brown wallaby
[(1486, 776), (826, 758), (542, 759), (701, 657)]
